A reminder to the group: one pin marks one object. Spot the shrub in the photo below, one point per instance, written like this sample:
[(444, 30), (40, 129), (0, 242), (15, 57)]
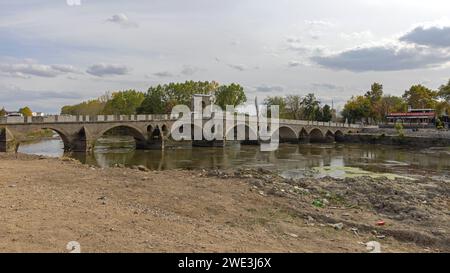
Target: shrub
[(399, 129)]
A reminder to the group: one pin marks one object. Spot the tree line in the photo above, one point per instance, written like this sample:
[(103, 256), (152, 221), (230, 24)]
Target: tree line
[(375, 105), (159, 99), (301, 108)]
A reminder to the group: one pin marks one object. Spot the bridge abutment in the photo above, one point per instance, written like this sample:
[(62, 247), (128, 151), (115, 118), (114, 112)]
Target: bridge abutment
[(79, 145), (7, 146), (7, 141)]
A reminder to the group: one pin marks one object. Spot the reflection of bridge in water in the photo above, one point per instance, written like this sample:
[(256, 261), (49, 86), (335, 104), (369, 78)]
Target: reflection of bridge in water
[(79, 133)]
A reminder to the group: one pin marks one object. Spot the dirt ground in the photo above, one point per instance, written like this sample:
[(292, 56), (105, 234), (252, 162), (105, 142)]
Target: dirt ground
[(46, 202)]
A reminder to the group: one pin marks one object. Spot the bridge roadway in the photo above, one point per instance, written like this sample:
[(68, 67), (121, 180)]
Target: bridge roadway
[(79, 133)]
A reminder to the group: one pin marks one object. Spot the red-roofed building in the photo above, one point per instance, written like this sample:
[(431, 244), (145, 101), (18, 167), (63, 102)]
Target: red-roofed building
[(413, 118)]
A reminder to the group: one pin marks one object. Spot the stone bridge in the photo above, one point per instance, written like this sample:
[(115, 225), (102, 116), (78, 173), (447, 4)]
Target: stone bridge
[(80, 133)]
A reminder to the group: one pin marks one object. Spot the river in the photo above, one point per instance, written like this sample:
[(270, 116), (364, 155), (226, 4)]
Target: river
[(291, 160)]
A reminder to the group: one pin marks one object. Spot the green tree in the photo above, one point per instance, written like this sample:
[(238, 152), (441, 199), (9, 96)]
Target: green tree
[(444, 91), (311, 107), (357, 109), (91, 107), (181, 93), (26, 111), (375, 96), (154, 101), (443, 108), (418, 96), (123, 103), (281, 102), (173, 94), (392, 104), (399, 129), (294, 106), (232, 94), (376, 92), (326, 113), (2, 112)]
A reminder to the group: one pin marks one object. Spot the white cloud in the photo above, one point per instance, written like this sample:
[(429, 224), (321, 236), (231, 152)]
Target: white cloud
[(66, 68), (319, 23), (384, 58), (236, 43), (239, 67), (26, 70), (102, 69), (163, 74), (189, 70), (295, 44), (435, 36), (326, 86), (122, 20), (358, 36), (270, 89), (294, 63)]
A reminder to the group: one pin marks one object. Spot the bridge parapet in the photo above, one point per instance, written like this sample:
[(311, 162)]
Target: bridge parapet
[(83, 119), (318, 123), (143, 118)]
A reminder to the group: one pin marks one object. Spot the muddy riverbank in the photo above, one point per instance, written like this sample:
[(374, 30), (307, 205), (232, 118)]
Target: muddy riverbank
[(407, 137), (47, 202)]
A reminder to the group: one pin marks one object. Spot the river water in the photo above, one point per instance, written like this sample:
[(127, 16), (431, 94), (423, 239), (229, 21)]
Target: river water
[(291, 160)]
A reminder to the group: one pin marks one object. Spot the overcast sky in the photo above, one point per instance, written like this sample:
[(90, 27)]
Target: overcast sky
[(52, 53)]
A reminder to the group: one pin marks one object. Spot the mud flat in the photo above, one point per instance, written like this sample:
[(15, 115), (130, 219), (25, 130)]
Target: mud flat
[(47, 202)]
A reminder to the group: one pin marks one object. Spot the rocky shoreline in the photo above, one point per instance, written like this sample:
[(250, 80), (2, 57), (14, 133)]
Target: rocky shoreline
[(417, 211)]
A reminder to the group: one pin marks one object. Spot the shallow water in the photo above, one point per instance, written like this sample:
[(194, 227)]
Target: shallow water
[(338, 160)]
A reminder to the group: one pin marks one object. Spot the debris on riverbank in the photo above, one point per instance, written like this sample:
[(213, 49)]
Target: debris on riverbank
[(418, 210)]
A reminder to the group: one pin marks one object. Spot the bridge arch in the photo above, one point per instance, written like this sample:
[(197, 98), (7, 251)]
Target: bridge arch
[(303, 136), (165, 130), (316, 135), (154, 132), (64, 136), (339, 135), (150, 128), (135, 132), (249, 133), (72, 141), (158, 129), (287, 134), (329, 136)]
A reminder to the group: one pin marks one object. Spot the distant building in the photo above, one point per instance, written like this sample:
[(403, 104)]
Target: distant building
[(414, 118), (38, 114), (13, 114)]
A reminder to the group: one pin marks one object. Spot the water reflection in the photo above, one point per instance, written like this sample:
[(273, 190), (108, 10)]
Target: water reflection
[(375, 158)]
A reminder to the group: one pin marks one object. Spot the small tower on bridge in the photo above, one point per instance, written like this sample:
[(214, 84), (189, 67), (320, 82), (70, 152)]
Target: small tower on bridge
[(204, 99)]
